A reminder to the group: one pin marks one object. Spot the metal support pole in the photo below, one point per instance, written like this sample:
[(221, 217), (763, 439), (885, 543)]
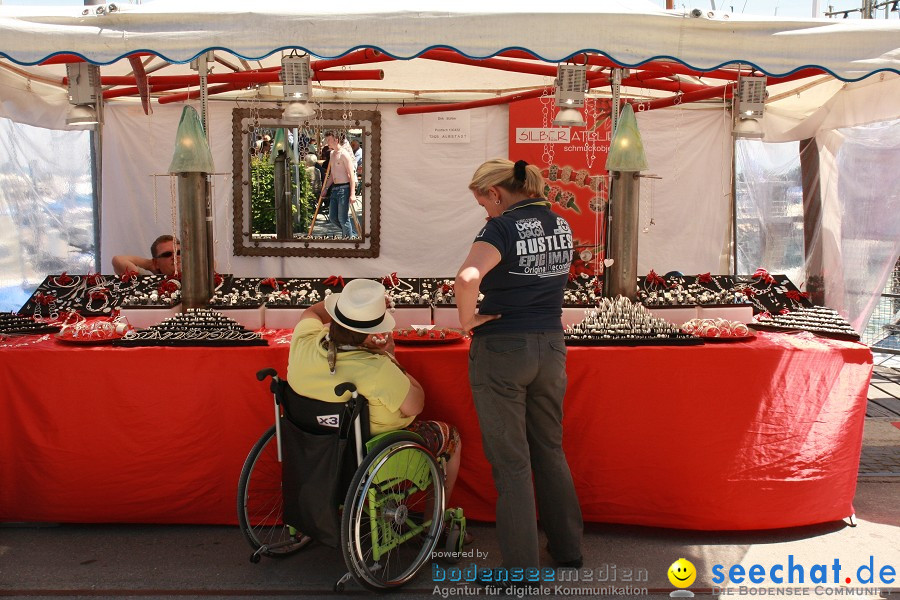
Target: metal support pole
[(196, 276), (284, 214), (621, 277), (613, 205), (201, 65)]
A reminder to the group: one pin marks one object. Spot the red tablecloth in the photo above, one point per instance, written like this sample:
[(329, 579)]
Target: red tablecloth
[(757, 434)]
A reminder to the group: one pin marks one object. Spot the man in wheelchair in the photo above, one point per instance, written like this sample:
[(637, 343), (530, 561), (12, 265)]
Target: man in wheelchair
[(338, 340)]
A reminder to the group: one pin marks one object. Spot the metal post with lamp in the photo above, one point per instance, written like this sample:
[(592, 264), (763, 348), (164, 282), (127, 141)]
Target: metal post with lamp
[(192, 163), (625, 161)]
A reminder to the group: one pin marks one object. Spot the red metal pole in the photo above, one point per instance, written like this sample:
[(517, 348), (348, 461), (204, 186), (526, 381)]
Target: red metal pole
[(723, 90), (194, 94), (133, 91), (244, 77), (359, 57), (503, 65), (428, 108)]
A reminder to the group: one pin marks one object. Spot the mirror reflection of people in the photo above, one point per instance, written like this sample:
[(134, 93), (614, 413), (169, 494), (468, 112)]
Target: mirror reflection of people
[(315, 177), (517, 360), (358, 157), (340, 182), (165, 259)]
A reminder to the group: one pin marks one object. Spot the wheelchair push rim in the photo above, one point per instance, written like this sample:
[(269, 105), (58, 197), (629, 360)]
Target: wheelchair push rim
[(393, 514)]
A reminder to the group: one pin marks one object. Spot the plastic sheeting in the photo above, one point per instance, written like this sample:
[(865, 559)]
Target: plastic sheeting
[(769, 201), (864, 202), (858, 234), (46, 208)]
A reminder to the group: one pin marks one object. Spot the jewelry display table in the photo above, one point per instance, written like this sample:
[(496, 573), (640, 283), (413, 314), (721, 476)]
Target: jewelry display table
[(748, 435)]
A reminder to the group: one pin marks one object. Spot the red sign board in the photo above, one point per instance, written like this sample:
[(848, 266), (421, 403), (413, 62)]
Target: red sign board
[(573, 161)]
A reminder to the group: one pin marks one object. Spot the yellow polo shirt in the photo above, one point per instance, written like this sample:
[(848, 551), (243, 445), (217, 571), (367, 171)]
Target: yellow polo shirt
[(375, 376)]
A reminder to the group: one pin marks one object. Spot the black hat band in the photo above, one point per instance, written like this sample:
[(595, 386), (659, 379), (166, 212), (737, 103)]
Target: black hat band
[(353, 322)]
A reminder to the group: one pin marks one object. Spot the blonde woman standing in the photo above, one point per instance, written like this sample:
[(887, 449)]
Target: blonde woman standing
[(517, 363)]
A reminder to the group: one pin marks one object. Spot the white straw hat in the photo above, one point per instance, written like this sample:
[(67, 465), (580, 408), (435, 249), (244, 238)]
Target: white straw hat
[(360, 307)]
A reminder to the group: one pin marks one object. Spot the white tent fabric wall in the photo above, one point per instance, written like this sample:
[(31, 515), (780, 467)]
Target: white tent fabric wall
[(691, 204), (428, 216)]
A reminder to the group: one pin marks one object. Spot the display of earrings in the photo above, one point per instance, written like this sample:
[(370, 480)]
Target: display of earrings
[(13, 324), (404, 292), (245, 292), (153, 291), (90, 295), (817, 319), (583, 290), (292, 293), (439, 292), (621, 322), (196, 327), (685, 290), (772, 294)]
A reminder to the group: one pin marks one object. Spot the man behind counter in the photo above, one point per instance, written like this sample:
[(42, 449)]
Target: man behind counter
[(166, 253)]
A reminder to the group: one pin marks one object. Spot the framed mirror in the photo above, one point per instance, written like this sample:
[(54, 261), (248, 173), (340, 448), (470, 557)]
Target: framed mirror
[(282, 206)]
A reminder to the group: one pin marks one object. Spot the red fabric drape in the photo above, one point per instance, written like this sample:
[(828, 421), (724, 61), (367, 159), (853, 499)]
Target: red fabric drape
[(749, 435)]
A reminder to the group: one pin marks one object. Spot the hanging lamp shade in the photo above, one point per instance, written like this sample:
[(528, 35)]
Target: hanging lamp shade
[(279, 144), (626, 152), (192, 153)]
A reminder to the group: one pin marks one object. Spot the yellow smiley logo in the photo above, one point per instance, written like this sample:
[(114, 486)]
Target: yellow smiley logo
[(682, 573)]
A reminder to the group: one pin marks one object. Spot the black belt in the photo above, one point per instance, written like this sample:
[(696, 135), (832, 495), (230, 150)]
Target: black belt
[(340, 184)]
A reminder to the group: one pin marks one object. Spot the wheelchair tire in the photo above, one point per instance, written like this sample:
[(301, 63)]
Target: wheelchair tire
[(260, 503), (393, 514)]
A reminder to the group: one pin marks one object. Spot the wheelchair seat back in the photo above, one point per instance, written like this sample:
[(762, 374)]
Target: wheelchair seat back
[(319, 417), (321, 445)]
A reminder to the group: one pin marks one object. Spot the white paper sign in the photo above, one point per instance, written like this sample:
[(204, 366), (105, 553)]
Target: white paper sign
[(445, 128), (543, 135)]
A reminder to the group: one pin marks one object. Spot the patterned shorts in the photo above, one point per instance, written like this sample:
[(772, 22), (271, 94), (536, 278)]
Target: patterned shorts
[(440, 438)]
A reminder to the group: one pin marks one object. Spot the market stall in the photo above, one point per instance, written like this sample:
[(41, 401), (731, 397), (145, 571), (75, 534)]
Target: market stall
[(754, 434)]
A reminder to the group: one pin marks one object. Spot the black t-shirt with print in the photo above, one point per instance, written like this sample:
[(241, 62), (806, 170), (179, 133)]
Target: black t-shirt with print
[(526, 288)]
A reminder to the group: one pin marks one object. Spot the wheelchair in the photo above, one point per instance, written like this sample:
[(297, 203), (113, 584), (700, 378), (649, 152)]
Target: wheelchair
[(318, 453)]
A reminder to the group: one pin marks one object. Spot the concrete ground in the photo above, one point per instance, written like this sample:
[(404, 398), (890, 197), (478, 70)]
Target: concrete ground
[(155, 561)]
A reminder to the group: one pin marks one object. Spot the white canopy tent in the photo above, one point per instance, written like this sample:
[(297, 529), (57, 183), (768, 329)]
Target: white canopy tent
[(427, 215)]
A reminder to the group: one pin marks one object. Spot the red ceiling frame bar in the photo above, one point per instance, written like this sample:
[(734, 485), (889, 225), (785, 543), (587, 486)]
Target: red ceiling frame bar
[(133, 91), (359, 57), (429, 108), (723, 90), (240, 77), (194, 94), (140, 77), (499, 64)]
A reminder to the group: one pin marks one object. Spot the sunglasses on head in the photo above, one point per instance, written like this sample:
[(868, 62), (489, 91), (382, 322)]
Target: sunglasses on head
[(168, 254)]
